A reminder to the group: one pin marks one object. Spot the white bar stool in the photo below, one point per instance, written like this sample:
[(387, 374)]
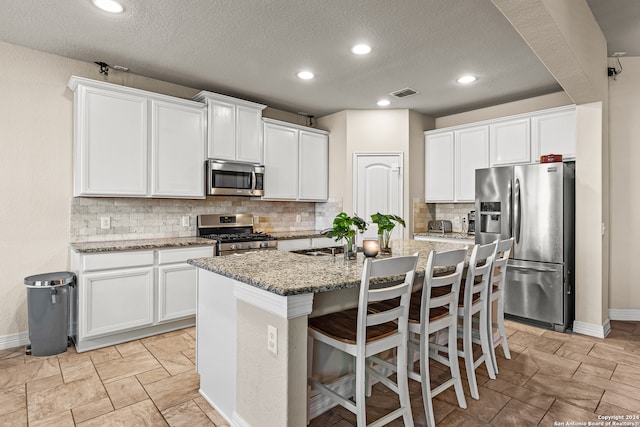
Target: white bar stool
[(497, 281), (363, 334), (432, 310), (474, 300)]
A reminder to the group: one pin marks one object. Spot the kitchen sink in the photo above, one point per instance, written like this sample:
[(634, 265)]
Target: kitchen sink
[(321, 251)]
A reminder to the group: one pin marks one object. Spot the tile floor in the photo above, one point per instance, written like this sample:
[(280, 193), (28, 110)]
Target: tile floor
[(551, 378)]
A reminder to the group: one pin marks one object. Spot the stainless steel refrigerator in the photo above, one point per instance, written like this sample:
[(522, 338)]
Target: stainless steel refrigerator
[(535, 205)]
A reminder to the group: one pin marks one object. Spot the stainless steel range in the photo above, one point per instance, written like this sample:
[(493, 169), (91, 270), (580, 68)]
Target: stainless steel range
[(234, 234)]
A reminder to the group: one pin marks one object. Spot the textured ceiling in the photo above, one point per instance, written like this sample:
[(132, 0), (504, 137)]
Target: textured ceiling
[(620, 24), (253, 49)]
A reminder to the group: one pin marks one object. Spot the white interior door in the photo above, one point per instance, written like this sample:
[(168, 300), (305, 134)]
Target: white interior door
[(378, 188)]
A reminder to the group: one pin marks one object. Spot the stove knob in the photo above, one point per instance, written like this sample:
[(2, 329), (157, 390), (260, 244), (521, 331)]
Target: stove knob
[(264, 244), (233, 247)]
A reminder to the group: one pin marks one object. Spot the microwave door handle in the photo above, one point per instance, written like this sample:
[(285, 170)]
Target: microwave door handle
[(253, 182)]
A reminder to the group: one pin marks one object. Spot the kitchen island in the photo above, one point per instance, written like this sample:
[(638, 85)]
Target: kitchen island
[(248, 373)]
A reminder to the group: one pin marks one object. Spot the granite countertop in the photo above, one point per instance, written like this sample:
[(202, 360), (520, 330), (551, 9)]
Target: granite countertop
[(131, 245), (287, 273), (451, 235), (298, 234)]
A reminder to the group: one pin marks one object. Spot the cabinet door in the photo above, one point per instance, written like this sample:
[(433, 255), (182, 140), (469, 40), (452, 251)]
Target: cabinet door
[(439, 167), (554, 133), (110, 144), (313, 166), (176, 291), (249, 144), (221, 142), (178, 150), (115, 301), (471, 152), (280, 162), (510, 142)]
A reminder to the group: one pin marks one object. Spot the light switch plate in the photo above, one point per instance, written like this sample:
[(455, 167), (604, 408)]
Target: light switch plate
[(272, 339), (185, 221), (105, 222)]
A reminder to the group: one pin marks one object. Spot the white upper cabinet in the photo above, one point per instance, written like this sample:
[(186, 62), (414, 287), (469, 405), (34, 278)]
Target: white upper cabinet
[(554, 132), (234, 128), (296, 162), (471, 153), (452, 158), (439, 161), (313, 169), (110, 142), (177, 150), (133, 143), (510, 142)]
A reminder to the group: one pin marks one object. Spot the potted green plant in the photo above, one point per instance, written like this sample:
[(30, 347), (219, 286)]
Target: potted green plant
[(386, 223), (346, 227)]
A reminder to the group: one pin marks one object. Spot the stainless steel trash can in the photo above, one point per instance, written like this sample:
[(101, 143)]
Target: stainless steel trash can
[(48, 309)]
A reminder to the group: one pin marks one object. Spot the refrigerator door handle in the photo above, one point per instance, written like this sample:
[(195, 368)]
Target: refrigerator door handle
[(535, 270), (516, 211), (509, 205)]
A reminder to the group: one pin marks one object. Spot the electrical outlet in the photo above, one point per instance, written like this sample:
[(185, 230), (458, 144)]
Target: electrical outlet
[(105, 222), (256, 219), (185, 221), (298, 218), (272, 339)]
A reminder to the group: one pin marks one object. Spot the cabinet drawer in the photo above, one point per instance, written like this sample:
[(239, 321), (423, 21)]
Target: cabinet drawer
[(117, 260), (168, 256)]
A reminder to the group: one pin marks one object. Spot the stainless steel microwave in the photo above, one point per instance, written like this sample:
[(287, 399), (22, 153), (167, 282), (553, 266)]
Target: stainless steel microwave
[(229, 178)]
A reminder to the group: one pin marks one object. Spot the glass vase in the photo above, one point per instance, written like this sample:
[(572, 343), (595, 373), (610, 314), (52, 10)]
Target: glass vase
[(350, 248), (384, 240)]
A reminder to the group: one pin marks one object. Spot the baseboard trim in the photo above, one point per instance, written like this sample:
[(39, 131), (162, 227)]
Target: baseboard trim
[(14, 340), (593, 330), (238, 421), (632, 314)]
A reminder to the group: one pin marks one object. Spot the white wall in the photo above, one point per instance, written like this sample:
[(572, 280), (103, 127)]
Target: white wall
[(624, 138)]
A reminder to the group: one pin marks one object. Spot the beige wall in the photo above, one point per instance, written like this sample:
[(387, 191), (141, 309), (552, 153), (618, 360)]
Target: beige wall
[(624, 138), (368, 131), (36, 166), (523, 106)]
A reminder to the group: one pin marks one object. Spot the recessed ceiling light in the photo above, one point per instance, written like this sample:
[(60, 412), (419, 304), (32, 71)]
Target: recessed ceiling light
[(305, 75), (383, 103), (110, 6), (466, 79), (361, 49)]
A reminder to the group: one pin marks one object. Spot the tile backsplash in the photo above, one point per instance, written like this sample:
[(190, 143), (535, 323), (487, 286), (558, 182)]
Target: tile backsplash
[(454, 211), (133, 218)]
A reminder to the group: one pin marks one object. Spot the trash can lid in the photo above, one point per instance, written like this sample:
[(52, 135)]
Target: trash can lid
[(50, 279)]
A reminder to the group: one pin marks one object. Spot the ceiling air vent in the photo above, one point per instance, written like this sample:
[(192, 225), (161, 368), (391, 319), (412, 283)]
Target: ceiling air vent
[(403, 93)]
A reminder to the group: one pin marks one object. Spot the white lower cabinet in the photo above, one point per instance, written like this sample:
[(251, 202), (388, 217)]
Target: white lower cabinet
[(116, 300), (122, 296)]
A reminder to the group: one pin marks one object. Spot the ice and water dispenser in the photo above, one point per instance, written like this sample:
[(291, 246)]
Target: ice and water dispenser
[(490, 217)]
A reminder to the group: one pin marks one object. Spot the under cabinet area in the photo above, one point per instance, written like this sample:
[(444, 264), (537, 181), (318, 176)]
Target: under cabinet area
[(234, 130), (296, 161), (121, 296), (133, 143)]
